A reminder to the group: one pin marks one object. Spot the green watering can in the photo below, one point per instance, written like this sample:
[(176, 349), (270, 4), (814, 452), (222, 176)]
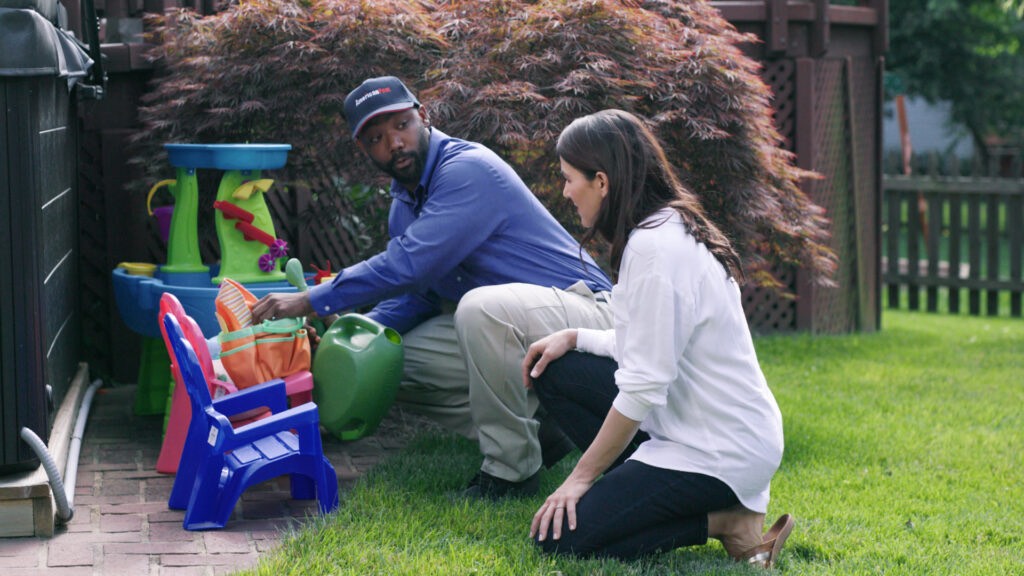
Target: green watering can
[(356, 371)]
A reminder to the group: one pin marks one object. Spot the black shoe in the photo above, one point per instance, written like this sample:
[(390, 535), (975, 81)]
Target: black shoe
[(554, 444), (485, 486)]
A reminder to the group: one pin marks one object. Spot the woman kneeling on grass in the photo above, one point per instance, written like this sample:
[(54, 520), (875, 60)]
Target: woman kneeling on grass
[(671, 404)]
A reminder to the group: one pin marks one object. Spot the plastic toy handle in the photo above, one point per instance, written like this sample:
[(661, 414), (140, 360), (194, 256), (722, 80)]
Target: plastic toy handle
[(254, 234), (232, 212), (293, 272), (368, 329), (366, 324), (246, 190), (157, 186)]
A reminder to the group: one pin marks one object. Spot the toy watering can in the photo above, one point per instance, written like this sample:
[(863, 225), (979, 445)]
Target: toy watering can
[(356, 371), (163, 213)]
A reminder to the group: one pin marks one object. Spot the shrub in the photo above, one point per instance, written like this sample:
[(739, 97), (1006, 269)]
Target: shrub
[(509, 74)]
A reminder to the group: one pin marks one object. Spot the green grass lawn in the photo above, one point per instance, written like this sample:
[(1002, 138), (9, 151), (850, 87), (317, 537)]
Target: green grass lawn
[(904, 455)]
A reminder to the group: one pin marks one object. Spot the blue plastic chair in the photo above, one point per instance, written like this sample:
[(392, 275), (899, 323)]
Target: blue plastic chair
[(220, 462)]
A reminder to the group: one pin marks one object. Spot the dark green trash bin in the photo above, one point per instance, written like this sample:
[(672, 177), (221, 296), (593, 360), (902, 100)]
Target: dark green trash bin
[(40, 65)]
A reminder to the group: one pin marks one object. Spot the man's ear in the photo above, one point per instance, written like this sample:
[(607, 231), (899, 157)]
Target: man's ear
[(424, 116)]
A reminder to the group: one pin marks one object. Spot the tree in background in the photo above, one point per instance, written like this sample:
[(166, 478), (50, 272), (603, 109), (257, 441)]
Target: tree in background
[(969, 53), (508, 74)]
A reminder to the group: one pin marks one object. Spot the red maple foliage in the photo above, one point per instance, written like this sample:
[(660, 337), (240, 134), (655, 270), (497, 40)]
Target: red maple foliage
[(509, 74)]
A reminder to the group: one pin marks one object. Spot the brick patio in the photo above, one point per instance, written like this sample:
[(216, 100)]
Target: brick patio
[(122, 524)]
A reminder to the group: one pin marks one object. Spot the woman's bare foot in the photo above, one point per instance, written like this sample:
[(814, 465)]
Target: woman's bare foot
[(738, 529)]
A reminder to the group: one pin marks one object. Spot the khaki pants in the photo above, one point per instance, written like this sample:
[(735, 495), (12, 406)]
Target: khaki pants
[(464, 370)]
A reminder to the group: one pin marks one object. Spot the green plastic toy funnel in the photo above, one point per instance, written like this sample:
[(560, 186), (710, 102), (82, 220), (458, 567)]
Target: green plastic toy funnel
[(356, 371), (183, 238)]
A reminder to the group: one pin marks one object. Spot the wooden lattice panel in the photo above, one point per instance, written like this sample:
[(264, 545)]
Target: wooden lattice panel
[(766, 311), (778, 74), (834, 308), (328, 226)]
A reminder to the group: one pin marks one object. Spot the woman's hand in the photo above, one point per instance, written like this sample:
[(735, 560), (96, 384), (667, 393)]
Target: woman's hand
[(613, 437), (559, 505), (544, 351)]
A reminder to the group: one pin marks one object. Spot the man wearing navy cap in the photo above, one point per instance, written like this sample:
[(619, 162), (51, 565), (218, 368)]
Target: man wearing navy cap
[(466, 233)]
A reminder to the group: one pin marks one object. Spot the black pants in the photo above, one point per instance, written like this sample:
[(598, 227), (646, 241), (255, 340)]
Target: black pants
[(634, 509)]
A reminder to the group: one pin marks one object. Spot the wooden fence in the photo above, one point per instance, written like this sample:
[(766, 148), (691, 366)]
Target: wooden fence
[(947, 237)]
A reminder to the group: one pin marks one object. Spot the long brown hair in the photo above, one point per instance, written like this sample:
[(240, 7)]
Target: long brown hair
[(641, 181)]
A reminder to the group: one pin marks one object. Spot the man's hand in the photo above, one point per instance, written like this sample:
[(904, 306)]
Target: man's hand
[(316, 327), (281, 305), (544, 351)]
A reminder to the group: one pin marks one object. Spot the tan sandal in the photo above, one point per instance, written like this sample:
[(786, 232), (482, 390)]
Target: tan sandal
[(767, 552), (776, 529)]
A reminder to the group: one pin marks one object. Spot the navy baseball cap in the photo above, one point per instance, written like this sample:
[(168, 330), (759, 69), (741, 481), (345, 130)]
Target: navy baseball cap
[(374, 97)]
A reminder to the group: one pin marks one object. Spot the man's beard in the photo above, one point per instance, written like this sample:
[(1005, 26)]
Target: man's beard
[(412, 173)]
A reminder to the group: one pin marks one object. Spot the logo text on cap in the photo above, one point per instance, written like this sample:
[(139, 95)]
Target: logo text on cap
[(376, 92)]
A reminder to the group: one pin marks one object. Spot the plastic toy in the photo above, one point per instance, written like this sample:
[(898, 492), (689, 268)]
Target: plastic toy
[(163, 214), (138, 268), (322, 275), (356, 371), (241, 192), (179, 414), (293, 272), (184, 274), (220, 462)]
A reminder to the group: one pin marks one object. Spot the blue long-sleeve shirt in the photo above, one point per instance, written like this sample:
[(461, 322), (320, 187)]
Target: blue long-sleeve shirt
[(471, 222)]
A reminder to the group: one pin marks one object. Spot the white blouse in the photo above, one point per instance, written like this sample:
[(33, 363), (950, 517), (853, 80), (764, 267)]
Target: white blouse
[(688, 371)]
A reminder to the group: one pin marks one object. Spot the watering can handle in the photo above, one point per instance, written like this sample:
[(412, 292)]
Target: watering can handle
[(153, 190), (366, 324), (375, 328)]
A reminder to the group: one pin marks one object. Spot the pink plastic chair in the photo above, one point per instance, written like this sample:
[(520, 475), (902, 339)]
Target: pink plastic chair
[(299, 387), (221, 461)]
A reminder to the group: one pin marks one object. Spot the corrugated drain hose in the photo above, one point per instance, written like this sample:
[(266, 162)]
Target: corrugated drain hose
[(65, 502)]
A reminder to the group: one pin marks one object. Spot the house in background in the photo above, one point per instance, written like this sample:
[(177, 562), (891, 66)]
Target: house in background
[(931, 130)]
